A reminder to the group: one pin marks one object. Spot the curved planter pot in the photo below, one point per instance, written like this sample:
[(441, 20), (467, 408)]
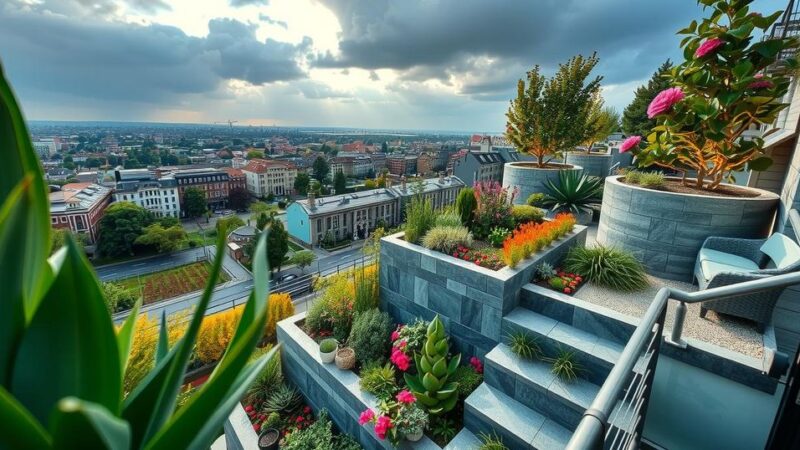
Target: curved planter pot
[(528, 178), (594, 164), (665, 230)]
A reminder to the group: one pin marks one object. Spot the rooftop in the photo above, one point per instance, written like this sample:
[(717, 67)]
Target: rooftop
[(77, 196), (262, 165)]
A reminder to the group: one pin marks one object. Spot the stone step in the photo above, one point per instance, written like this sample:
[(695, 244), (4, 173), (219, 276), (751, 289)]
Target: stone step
[(533, 384), (464, 440), (602, 322), (488, 410), (594, 354)]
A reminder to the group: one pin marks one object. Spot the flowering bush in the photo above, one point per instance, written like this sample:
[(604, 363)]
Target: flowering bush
[(532, 237), (398, 418), (483, 259), (493, 208), (413, 334), (564, 282), (729, 82)]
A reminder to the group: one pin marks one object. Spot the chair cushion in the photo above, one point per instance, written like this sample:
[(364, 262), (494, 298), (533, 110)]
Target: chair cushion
[(711, 268), (706, 254), (782, 250)]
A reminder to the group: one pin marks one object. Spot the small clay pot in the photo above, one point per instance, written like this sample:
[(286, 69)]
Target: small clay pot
[(346, 358)]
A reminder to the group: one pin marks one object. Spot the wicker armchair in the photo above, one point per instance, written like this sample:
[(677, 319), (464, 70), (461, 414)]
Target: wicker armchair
[(724, 261)]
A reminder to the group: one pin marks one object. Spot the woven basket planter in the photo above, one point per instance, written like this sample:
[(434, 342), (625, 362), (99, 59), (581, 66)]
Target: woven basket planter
[(346, 358)]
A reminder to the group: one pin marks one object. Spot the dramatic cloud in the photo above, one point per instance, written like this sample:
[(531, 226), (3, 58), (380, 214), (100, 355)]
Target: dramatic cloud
[(267, 19)]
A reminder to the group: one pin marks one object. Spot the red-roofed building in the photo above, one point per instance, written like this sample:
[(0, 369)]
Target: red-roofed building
[(79, 207), (266, 176), (236, 178)]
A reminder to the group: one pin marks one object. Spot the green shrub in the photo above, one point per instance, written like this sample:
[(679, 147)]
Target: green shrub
[(565, 366), (574, 192), (274, 420), (319, 436), (465, 205), (447, 238), (468, 380), (379, 381), (652, 179), (632, 176), (605, 266), (369, 337), (117, 297), (328, 345), (420, 217), (535, 199), (524, 345), (497, 236), (525, 213), (283, 399), (491, 442), (448, 218), (270, 378), (545, 271), (414, 334)]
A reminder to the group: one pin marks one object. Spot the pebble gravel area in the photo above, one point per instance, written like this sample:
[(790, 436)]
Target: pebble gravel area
[(724, 331)]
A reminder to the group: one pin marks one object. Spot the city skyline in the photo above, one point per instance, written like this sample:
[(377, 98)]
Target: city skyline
[(415, 65)]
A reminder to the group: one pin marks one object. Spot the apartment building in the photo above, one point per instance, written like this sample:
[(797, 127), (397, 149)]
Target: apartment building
[(213, 183), (159, 196), (264, 177), (236, 178), (79, 207)]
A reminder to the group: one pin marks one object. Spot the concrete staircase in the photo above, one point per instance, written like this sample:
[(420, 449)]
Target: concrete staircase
[(521, 400)]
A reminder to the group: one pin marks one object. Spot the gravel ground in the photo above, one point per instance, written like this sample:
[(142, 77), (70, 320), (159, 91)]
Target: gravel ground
[(724, 331)]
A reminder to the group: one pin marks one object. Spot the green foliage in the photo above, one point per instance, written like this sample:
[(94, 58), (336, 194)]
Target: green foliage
[(652, 180), (466, 205), (431, 384), (497, 236), (573, 192), (274, 421), (727, 91), (415, 335), (319, 436), (59, 236), (303, 258), (369, 337), (565, 366), (531, 124), (162, 239), (194, 202), (301, 183), (524, 345), (494, 208), (333, 310), (269, 379), (468, 380), (526, 213), (420, 217), (448, 218), (281, 399), (545, 271), (255, 154), (118, 298), (379, 381), (447, 238), (606, 266), (54, 325), (535, 199), (321, 169), (262, 221), (601, 123), (121, 224), (238, 198), (340, 182), (277, 245), (328, 345), (491, 442), (634, 118), (443, 429), (227, 224), (367, 292)]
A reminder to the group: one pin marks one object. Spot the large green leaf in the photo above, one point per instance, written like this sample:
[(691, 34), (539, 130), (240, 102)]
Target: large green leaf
[(125, 336), (79, 424), (19, 430), (69, 348), (162, 346)]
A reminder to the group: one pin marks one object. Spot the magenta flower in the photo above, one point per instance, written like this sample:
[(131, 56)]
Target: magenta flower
[(664, 101), (476, 364), (708, 46), (406, 397), (382, 426), (400, 359), (366, 416), (395, 335), (760, 83), (630, 143)]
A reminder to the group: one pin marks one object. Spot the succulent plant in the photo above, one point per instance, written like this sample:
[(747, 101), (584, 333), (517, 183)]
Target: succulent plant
[(431, 385)]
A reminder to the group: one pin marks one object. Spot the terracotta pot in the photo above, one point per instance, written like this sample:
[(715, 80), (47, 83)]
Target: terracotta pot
[(345, 358)]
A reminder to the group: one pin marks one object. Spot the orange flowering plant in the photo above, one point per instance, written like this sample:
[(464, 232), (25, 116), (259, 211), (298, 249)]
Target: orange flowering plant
[(531, 237)]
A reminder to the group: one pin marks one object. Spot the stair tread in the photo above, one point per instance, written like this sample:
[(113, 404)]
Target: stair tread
[(583, 341), (464, 440), (526, 424), (578, 393)]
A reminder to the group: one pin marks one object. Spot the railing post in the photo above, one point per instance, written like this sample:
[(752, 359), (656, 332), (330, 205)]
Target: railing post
[(677, 326)]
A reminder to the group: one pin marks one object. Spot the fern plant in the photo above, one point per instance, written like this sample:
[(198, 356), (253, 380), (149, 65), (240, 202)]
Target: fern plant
[(524, 345), (379, 381)]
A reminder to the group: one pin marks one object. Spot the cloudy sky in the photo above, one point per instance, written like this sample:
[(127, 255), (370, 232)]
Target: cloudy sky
[(427, 64)]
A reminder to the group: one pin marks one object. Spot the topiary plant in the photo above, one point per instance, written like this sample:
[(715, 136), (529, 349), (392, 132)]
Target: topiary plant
[(432, 385), (328, 345), (466, 205), (526, 213), (369, 337)]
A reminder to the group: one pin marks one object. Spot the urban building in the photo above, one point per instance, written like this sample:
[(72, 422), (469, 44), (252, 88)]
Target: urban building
[(402, 164), (45, 148), (266, 177), (79, 207), (236, 178), (159, 196), (378, 161), (342, 164), (476, 167), (213, 183), (362, 166), (353, 216), (58, 174), (425, 163)]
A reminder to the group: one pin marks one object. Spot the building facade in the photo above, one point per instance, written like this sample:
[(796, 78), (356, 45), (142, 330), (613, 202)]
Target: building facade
[(476, 167), (354, 216), (211, 182), (236, 178), (79, 207), (425, 163), (264, 177), (160, 197)]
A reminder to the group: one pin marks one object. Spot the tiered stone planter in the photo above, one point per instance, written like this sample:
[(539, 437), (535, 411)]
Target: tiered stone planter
[(665, 230), (594, 164), (471, 300), (529, 179)]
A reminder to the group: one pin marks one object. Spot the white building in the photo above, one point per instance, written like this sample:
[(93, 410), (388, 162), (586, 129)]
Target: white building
[(159, 196), (45, 148), (266, 177)]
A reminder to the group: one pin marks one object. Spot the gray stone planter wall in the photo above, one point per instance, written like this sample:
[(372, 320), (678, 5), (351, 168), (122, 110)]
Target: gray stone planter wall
[(471, 300), (595, 164), (528, 178), (327, 387), (624, 159), (666, 230)]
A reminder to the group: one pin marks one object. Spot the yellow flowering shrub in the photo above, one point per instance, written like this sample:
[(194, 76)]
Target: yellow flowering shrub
[(143, 348), (215, 333), (280, 307)]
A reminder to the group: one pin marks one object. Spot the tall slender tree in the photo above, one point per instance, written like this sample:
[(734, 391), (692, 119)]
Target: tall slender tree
[(634, 118)]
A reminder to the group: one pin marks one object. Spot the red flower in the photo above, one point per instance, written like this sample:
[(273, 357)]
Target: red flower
[(400, 359), (395, 335), (257, 427), (248, 408), (405, 397), (366, 416), (476, 364), (307, 410), (299, 419), (567, 290), (382, 426)]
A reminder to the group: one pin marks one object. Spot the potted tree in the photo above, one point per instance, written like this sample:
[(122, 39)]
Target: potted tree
[(602, 121), (729, 83), (327, 350), (533, 127)]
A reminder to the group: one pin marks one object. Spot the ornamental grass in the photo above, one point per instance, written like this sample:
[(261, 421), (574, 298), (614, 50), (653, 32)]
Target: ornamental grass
[(531, 237)]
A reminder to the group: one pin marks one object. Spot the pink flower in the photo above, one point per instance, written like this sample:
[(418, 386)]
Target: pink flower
[(406, 397), (400, 359), (476, 364), (395, 335), (664, 101), (708, 46), (760, 83), (366, 416), (382, 426), (630, 143)]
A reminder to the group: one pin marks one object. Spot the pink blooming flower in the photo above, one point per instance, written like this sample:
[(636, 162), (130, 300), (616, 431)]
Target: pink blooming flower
[(708, 46), (400, 359), (382, 426), (630, 143), (476, 364), (366, 416), (760, 82), (395, 335), (406, 397), (664, 101)]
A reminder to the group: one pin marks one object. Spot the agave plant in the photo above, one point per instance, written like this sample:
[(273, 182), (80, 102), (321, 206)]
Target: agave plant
[(573, 193), (62, 361), (431, 384)]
